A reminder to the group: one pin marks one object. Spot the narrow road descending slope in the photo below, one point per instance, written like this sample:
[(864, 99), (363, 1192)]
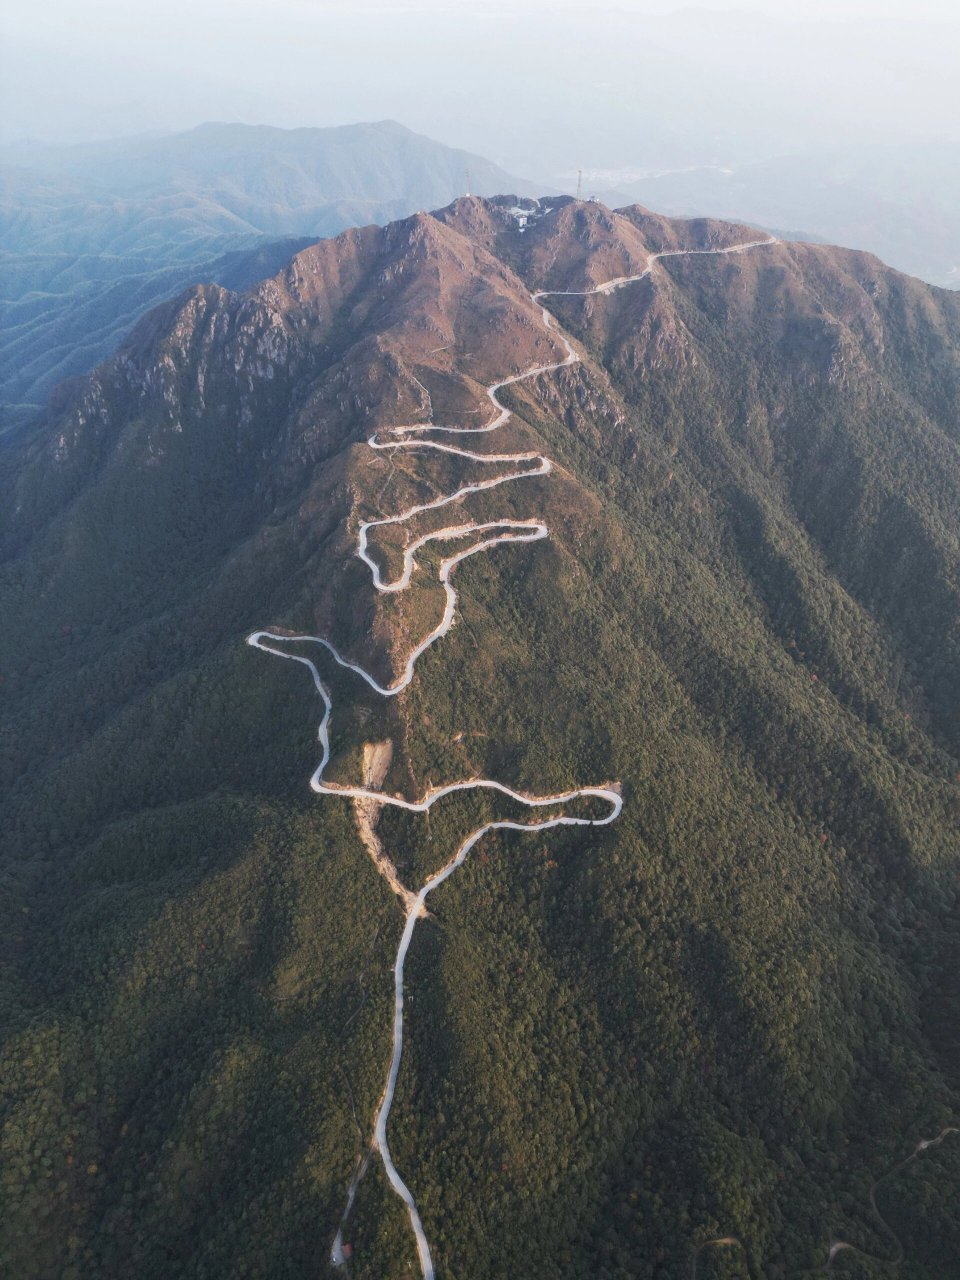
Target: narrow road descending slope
[(844, 1246), (485, 536)]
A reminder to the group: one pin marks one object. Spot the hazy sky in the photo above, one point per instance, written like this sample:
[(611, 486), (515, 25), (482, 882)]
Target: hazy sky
[(538, 86)]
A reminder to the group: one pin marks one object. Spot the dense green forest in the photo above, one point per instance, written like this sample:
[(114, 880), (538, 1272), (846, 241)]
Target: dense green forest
[(729, 1014)]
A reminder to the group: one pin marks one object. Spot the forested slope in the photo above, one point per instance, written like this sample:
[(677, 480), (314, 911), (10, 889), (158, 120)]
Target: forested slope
[(729, 1013)]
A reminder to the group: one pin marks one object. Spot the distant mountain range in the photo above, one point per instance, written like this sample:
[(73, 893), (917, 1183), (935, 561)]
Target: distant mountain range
[(95, 234)]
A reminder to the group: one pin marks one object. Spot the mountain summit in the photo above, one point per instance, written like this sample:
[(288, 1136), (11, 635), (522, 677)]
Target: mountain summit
[(711, 480)]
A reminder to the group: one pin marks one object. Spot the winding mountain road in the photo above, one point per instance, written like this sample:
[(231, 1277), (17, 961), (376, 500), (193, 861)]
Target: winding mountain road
[(486, 535), (844, 1246)]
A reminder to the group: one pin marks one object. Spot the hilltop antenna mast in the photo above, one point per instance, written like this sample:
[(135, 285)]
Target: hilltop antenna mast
[(579, 184), (466, 174)]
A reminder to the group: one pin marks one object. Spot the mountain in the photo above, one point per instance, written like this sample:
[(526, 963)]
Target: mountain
[(898, 201), (724, 1013), (96, 234)]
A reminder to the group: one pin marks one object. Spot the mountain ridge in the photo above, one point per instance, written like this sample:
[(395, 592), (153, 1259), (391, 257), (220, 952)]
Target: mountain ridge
[(95, 233), (697, 1022)]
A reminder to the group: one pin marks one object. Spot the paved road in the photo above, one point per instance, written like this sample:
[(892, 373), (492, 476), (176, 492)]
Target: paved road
[(483, 537)]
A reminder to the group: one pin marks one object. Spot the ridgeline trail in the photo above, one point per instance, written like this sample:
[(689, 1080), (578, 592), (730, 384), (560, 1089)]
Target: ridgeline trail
[(487, 535)]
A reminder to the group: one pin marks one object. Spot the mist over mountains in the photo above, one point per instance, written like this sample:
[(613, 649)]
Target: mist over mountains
[(480, 666), (836, 128), (898, 201), (95, 234)]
